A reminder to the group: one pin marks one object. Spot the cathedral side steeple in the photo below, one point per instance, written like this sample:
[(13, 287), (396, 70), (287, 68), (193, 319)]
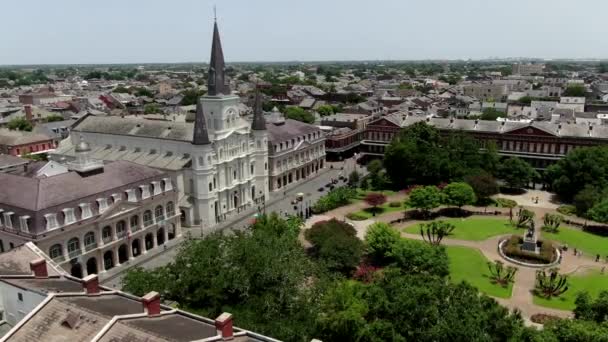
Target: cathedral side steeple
[(201, 136), (217, 83)]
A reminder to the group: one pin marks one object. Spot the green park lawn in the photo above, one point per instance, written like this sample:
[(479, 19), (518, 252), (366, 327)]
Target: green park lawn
[(383, 209), (473, 229), (468, 264), (593, 282), (590, 244)]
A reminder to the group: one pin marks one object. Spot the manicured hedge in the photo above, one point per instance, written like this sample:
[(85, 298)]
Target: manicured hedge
[(513, 249)]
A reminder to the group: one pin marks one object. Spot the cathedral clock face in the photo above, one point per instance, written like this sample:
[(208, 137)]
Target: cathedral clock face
[(231, 112)]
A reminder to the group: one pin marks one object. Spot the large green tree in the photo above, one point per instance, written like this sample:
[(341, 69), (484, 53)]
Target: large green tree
[(586, 166), (459, 194), (516, 172), (258, 276), (299, 114), (420, 155), (425, 198)]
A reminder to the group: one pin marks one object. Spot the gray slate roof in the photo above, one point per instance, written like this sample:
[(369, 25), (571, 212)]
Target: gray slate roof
[(182, 131), (40, 193), (289, 130)]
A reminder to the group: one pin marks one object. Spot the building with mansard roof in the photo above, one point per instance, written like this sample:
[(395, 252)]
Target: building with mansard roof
[(219, 163), (89, 217)]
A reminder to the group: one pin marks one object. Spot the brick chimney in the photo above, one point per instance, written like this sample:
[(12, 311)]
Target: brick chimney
[(28, 113), (90, 284), (151, 303), (223, 326), (38, 267)]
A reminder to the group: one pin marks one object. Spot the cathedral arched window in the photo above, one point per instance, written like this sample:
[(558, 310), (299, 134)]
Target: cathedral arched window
[(201, 161)]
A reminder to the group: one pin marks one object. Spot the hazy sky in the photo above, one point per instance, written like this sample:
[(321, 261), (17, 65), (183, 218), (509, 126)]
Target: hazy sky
[(138, 31)]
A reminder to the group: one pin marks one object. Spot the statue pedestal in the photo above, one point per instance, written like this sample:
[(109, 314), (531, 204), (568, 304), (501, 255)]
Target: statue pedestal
[(529, 243)]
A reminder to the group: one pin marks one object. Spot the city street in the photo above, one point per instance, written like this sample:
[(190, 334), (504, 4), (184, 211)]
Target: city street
[(280, 202)]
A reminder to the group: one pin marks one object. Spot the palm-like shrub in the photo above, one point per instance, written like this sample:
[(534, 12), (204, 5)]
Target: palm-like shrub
[(434, 232), (524, 217), (500, 274), (549, 283), (551, 222)]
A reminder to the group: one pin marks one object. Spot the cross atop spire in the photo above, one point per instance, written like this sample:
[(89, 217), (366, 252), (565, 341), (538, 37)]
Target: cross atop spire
[(217, 83)]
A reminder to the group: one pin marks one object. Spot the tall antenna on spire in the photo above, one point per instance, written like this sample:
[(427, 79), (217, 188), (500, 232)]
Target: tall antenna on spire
[(214, 13)]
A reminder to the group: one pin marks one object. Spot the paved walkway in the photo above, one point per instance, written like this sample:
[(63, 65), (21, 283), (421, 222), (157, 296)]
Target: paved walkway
[(525, 278)]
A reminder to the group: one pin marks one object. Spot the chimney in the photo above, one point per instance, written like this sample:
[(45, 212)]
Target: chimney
[(90, 284), (38, 267), (28, 113), (151, 303), (223, 326)]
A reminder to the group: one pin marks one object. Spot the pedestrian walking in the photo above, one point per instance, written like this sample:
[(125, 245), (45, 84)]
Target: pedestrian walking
[(603, 269), (597, 258), (575, 252)]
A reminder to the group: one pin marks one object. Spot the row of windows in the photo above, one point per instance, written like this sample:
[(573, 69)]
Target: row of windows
[(292, 143), (33, 148), (90, 242), (86, 210)]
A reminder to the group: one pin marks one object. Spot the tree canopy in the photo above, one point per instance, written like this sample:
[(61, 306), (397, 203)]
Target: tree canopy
[(459, 194), (516, 172), (425, 198), (420, 155), (297, 113), (20, 124)]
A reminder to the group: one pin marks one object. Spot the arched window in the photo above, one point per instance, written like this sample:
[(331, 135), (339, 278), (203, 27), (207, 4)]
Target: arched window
[(159, 213), (121, 228), (106, 233), (148, 218), (89, 240), (73, 248), (55, 252), (134, 223), (201, 161), (210, 186), (214, 183), (170, 209)]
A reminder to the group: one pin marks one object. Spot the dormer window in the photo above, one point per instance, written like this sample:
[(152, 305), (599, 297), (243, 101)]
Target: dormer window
[(116, 197), (85, 211), (1, 217), (68, 216), (51, 221), (145, 191), (25, 223), (156, 188), (131, 196), (168, 184), (8, 219), (102, 204)]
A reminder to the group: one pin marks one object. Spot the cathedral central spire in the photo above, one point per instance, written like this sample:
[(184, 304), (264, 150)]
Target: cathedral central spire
[(217, 83)]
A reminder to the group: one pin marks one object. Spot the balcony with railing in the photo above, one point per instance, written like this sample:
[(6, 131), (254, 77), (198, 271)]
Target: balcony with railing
[(107, 239), (121, 234), (59, 259), (90, 246), (74, 253)]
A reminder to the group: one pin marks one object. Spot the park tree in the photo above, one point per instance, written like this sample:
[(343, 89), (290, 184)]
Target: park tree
[(336, 244), (549, 283), (255, 275), (516, 172), (380, 239), (375, 199), (20, 124), (353, 179), (599, 212), (484, 185), (500, 274), (585, 166), (425, 198), (435, 231), (586, 199), (459, 194), (412, 257), (551, 222), (590, 309), (420, 155)]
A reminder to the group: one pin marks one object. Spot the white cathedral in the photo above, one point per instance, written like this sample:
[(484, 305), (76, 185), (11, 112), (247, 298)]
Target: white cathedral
[(219, 163)]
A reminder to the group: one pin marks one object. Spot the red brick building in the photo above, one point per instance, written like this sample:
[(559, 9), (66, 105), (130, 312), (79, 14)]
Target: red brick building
[(17, 143)]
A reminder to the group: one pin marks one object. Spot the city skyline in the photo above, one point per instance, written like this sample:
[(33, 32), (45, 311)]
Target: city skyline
[(270, 31)]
